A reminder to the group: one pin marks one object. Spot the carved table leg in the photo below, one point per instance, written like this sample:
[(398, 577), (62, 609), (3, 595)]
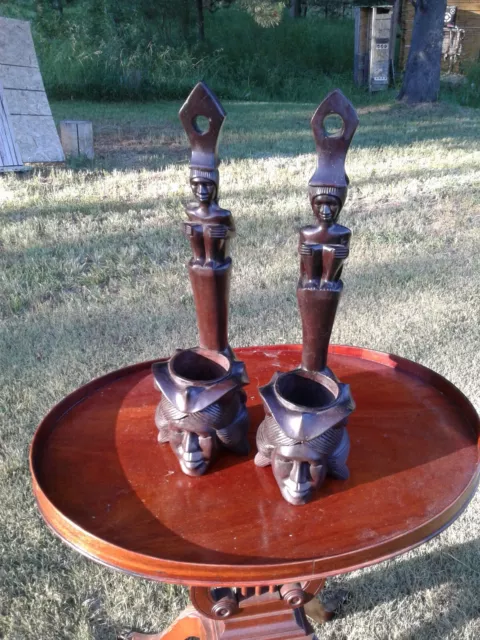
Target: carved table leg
[(189, 624), (249, 613), (323, 611)]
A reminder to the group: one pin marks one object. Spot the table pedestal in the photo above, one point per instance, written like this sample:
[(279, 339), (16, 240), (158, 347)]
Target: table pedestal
[(276, 613)]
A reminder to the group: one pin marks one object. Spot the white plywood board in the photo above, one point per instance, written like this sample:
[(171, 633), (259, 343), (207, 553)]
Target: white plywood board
[(22, 102), (10, 158), (30, 113), (15, 77), (37, 139), (16, 43)]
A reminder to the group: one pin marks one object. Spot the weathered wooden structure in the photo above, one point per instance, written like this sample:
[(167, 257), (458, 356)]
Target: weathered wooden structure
[(461, 33), (29, 112), (10, 158), (375, 31), (77, 138)]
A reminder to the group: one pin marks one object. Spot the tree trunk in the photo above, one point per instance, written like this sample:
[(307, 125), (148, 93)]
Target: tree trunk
[(186, 19), (200, 21), (421, 82), (295, 8)]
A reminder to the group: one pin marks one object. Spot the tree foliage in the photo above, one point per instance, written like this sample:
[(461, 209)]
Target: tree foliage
[(267, 13), (150, 49)]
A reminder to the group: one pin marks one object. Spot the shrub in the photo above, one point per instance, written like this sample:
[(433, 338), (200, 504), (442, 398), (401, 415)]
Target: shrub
[(470, 94), (95, 58)]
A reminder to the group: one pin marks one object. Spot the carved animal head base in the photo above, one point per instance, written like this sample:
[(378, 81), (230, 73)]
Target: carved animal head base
[(304, 434), (202, 409)]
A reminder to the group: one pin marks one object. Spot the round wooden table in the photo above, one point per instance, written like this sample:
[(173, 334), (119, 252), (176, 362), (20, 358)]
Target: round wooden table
[(254, 562)]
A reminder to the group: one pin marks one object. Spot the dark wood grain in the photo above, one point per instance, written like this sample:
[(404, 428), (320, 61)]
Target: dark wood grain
[(202, 409), (304, 434), (268, 620), (106, 489), (323, 243)]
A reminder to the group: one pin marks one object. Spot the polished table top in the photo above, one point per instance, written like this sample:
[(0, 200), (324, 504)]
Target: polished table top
[(106, 487)]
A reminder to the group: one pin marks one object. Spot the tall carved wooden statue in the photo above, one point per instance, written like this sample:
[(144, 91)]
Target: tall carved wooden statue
[(303, 435), (202, 408)]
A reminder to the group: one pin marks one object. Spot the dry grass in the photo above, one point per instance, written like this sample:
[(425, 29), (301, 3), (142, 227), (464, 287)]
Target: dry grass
[(92, 278)]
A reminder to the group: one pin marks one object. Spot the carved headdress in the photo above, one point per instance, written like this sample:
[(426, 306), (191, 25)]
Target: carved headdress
[(330, 177), (204, 160)]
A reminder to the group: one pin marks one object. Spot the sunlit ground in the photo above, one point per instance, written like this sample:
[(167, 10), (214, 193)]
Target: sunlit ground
[(92, 277)]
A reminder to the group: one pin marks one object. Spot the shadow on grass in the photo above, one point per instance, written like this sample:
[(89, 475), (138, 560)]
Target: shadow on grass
[(265, 130), (94, 207), (19, 213), (456, 566), (15, 213), (64, 268)]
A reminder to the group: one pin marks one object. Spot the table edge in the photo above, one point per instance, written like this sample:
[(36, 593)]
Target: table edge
[(195, 574)]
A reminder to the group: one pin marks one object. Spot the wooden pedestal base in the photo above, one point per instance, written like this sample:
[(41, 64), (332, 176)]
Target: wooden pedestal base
[(266, 612), (190, 625)]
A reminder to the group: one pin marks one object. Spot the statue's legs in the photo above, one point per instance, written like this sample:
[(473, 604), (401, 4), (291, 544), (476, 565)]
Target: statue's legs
[(276, 613)]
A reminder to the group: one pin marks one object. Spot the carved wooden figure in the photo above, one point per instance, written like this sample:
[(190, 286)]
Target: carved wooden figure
[(304, 434), (203, 403)]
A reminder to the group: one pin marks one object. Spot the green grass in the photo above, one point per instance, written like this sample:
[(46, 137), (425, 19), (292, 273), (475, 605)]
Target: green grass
[(92, 277)]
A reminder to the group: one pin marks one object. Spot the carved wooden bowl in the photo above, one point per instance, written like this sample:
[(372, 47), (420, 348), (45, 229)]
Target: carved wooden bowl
[(307, 391), (199, 366), (105, 486)]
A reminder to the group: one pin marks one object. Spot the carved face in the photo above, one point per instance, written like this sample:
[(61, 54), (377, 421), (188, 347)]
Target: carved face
[(298, 470), (195, 449), (326, 207), (203, 189)]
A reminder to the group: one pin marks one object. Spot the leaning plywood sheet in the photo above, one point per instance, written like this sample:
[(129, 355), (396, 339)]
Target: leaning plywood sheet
[(10, 159), (30, 113)]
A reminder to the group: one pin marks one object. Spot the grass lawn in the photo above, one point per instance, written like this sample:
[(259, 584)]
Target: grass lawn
[(92, 277)]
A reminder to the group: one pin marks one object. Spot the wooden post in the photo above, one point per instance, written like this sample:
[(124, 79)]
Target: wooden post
[(356, 58), (77, 138), (380, 47), (362, 45), (393, 40)]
